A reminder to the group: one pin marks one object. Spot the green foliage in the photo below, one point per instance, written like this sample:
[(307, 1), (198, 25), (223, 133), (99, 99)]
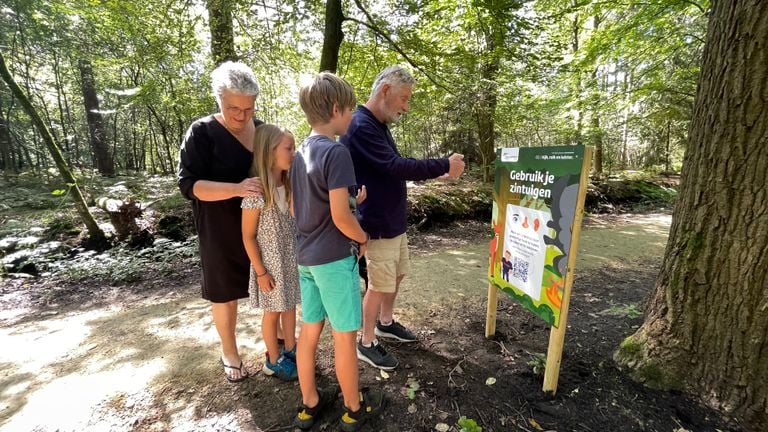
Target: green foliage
[(122, 265), (630, 347), (466, 424), (524, 73), (412, 387), (538, 363), (625, 310), (61, 227)]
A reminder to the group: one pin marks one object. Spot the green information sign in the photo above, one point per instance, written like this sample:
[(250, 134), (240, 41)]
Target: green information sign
[(535, 197)]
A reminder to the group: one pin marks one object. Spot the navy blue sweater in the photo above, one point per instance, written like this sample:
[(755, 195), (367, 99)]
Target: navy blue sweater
[(379, 166)]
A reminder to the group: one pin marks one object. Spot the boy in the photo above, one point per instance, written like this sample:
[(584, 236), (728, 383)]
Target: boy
[(329, 243)]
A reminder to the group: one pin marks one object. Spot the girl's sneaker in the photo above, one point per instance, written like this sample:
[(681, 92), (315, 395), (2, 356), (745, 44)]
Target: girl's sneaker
[(284, 368), (289, 354)]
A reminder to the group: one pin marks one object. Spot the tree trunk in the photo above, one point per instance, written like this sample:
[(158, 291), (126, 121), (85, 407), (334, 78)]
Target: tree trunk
[(596, 134), (95, 233), (597, 139), (60, 103), (495, 38), (104, 162), (625, 126), (5, 145), (332, 36), (222, 35), (575, 30), (706, 328), (668, 150), (486, 110)]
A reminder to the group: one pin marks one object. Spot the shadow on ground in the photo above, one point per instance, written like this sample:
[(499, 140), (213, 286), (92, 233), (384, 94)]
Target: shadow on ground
[(147, 360)]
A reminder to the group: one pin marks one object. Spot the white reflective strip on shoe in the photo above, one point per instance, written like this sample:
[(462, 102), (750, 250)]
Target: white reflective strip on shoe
[(384, 334)]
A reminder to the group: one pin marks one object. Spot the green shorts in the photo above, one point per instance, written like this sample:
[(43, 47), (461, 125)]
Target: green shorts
[(332, 290)]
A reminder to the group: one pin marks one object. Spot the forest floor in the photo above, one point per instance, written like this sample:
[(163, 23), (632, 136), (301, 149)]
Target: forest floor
[(142, 356)]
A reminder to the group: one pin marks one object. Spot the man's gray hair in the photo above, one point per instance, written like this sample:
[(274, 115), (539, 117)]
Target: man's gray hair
[(235, 77), (395, 76)]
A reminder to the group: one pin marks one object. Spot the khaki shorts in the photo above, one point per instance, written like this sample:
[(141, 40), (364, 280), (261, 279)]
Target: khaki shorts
[(387, 259)]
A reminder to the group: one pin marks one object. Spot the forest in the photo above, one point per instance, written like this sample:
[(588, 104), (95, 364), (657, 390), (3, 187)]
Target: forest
[(118, 83)]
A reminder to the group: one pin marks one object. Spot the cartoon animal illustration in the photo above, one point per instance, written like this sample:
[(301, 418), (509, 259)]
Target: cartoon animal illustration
[(554, 292), (493, 246), (563, 206)]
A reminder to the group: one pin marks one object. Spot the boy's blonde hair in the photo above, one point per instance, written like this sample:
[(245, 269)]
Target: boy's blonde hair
[(265, 141), (326, 90)]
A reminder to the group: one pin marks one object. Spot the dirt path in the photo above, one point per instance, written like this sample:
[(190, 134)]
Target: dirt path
[(145, 358)]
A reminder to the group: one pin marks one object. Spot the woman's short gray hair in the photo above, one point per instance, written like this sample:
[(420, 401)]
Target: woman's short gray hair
[(395, 76), (235, 77)]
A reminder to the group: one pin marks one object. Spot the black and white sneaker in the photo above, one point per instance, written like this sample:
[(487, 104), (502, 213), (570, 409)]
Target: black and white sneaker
[(376, 356), (394, 331)]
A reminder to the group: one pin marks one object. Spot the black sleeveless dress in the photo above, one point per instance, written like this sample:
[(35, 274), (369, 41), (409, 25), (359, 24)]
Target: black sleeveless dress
[(210, 152)]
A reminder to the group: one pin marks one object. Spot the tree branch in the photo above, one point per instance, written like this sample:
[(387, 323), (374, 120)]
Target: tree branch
[(374, 28), (693, 3)]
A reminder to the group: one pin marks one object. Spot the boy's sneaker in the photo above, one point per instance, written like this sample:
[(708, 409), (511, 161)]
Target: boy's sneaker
[(284, 368), (289, 354), (376, 356), (307, 417), (370, 404), (394, 331)]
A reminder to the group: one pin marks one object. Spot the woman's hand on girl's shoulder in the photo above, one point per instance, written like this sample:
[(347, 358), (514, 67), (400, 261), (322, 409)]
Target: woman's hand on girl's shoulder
[(250, 187)]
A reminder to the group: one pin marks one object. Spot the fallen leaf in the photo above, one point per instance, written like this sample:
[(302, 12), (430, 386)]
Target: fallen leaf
[(535, 424), (383, 374), (411, 393)]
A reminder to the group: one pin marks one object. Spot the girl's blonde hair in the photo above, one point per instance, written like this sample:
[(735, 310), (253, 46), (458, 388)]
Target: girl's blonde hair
[(265, 141)]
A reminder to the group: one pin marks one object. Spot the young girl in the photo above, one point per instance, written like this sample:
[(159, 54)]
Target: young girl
[(269, 235)]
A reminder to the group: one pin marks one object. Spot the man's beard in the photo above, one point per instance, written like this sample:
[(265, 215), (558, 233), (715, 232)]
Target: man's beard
[(394, 117)]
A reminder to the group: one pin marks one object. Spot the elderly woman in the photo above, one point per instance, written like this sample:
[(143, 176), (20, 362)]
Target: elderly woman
[(216, 155)]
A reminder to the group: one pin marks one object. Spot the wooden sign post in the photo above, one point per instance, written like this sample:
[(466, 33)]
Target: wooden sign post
[(537, 212)]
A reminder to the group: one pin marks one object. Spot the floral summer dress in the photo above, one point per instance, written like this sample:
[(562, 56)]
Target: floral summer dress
[(276, 236)]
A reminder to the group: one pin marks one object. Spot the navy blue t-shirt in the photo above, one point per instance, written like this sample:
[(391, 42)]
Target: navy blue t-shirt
[(379, 166), (321, 165)]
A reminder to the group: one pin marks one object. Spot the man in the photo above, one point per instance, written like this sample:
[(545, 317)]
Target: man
[(379, 166)]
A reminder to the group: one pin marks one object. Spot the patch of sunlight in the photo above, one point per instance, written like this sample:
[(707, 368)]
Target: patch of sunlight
[(66, 403), (185, 421), (15, 389), (185, 324), (445, 274), (461, 252), (34, 345), (13, 313)]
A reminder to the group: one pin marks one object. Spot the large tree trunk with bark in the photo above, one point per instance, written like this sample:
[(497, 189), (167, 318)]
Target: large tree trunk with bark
[(495, 38), (101, 153), (332, 36), (222, 35), (706, 328)]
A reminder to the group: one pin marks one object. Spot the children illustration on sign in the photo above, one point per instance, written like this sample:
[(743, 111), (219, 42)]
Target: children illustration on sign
[(506, 265)]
